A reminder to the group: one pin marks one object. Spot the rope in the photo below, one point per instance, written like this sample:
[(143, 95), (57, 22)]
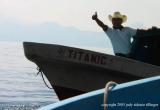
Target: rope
[(106, 90), (42, 75)]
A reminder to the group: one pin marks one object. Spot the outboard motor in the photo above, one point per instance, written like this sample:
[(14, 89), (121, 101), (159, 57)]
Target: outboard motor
[(146, 46)]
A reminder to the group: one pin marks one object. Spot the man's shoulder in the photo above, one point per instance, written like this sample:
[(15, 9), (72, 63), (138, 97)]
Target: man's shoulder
[(107, 29), (126, 27), (129, 29)]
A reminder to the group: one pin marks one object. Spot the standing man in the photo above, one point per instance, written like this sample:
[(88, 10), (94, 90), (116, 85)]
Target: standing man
[(119, 35)]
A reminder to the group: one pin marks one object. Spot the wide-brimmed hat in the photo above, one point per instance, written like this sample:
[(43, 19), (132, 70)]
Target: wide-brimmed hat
[(118, 15)]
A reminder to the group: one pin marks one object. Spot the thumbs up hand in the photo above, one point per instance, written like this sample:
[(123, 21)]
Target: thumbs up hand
[(94, 17)]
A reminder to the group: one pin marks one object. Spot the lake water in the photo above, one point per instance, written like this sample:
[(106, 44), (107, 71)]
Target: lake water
[(20, 87)]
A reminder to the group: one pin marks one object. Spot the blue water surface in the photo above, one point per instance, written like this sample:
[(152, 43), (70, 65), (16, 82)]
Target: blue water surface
[(20, 87)]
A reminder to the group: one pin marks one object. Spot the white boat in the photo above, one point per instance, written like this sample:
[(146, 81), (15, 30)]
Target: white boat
[(73, 71)]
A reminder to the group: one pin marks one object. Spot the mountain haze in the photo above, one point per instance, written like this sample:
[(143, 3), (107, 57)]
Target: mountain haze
[(52, 33)]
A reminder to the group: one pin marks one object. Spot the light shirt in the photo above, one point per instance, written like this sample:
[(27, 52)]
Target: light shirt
[(121, 39)]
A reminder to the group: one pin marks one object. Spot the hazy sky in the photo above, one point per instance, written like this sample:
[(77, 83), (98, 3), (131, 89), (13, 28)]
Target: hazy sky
[(77, 13)]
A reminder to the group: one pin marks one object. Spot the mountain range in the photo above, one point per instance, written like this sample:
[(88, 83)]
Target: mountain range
[(52, 33)]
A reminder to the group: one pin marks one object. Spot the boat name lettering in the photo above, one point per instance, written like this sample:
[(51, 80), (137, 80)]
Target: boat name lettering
[(88, 57)]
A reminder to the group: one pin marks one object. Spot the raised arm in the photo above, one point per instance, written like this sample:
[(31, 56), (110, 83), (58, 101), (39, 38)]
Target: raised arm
[(99, 22)]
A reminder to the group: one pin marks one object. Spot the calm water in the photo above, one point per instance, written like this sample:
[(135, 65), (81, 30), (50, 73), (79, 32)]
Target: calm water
[(20, 87)]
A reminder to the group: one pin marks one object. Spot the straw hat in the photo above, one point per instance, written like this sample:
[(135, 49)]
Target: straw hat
[(118, 15)]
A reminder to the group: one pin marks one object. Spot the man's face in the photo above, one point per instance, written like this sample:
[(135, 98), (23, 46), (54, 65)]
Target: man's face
[(116, 22)]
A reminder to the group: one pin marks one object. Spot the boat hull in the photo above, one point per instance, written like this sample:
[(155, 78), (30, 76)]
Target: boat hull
[(70, 80), (137, 95), (72, 71)]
